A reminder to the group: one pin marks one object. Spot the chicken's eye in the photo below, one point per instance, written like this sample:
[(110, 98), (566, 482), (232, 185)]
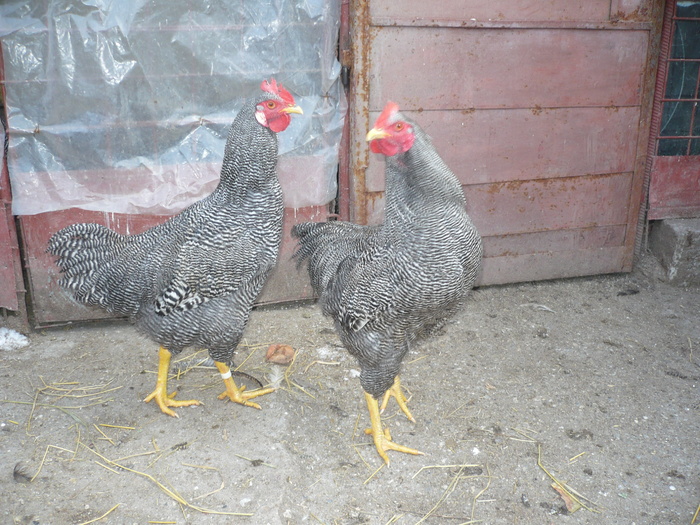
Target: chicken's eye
[(398, 126), (271, 104)]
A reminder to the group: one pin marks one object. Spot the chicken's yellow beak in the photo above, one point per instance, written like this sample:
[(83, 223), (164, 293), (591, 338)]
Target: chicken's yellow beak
[(292, 109), (377, 133)]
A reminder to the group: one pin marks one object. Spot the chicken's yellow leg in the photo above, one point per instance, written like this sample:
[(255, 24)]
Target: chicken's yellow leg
[(396, 392), (160, 394), (235, 394), (382, 438)]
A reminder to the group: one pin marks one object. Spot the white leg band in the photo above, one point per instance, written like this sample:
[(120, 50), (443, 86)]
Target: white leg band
[(226, 375)]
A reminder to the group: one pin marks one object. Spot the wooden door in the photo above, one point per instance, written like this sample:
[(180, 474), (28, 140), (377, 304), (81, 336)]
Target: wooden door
[(540, 108)]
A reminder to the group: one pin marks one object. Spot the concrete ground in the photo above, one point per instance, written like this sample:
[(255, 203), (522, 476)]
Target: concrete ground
[(564, 402)]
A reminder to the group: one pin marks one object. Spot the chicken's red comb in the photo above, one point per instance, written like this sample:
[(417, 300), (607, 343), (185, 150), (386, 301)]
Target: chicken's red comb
[(271, 86), (389, 111)]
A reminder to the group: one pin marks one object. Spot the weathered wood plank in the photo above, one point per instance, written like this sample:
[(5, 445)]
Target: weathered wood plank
[(675, 187), (555, 241), (8, 291), (553, 265), (485, 146), (515, 207), (631, 10), (499, 68), (522, 10)]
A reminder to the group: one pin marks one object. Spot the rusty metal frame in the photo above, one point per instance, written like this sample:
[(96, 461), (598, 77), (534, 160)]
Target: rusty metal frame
[(658, 60), (659, 46), (670, 19)]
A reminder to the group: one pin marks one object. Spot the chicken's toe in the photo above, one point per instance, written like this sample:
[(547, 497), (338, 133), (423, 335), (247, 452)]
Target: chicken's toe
[(397, 393), (160, 394), (382, 437), (236, 394)]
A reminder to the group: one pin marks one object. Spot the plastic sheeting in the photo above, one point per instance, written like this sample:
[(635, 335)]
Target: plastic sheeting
[(124, 106)]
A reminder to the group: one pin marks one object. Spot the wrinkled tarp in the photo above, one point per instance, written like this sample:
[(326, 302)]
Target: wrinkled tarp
[(124, 106)]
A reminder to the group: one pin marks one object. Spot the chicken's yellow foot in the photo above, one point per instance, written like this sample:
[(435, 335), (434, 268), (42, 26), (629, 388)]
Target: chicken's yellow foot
[(236, 394), (396, 392), (160, 394), (382, 438)]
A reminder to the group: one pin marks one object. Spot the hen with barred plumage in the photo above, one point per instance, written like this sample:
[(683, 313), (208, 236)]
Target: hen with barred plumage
[(385, 285), (192, 280)]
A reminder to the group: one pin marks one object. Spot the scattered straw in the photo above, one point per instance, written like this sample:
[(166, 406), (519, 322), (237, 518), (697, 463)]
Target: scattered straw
[(394, 519), (571, 460), (77, 444), (56, 390), (138, 455), (288, 371), (104, 436), (695, 516), (203, 467), (327, 363), (255, 462), (357, 424), (31, 414), (117, 426), (460, 407), (690, 357), (525, 434), (171, 493), (223, 485), (476, 498), (103, 516), (417, 359), (190, 363), (449, 490), (106, 467), (363, 459), (302, 389), (93, 394), (374, 473), (43, 459), (536, 306), (461, 467), (254, 349), (563, 488)]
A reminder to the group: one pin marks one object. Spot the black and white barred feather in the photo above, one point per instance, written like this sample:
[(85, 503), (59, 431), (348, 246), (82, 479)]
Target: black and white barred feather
[(193, 279), (385, 285)]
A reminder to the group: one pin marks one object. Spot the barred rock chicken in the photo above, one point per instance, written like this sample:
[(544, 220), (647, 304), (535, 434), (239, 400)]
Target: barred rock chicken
[(385, 285), (192, 280)]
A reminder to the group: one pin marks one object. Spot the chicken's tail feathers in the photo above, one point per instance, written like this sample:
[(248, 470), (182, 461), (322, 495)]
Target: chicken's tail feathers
[(82, 251), (325, 245), (307, 234)]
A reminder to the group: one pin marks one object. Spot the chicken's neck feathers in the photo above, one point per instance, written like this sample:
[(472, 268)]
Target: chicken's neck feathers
[(249, 166), (417, 182)]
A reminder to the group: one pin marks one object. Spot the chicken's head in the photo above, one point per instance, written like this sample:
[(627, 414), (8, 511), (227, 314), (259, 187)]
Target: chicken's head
[(391, 134), (274, 113)]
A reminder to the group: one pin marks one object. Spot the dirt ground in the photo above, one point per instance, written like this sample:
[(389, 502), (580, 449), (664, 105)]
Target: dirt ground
[(593, 381)]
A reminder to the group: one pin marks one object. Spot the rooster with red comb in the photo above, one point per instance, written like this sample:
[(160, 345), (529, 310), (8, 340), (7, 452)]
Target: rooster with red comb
[(386, 285), (192, 280)]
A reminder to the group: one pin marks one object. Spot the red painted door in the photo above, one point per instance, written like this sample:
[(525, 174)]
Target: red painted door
[(675, 142), (11, 280), (540, 108), (12, 287)]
